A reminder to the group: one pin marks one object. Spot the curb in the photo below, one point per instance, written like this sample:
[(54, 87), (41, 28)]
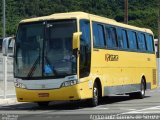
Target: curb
[(8, 101)]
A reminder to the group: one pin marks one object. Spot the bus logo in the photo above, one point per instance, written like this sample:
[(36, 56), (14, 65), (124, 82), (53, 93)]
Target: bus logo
[(110, 57)]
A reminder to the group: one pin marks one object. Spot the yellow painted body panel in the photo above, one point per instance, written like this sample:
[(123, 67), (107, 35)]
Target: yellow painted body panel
[(129, 68)]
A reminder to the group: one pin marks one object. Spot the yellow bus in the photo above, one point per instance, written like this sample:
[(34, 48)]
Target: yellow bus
[(78, 56)]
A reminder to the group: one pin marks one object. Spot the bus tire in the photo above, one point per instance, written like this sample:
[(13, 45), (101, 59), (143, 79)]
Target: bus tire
[(43, 104), (93, 102), (141, 93)]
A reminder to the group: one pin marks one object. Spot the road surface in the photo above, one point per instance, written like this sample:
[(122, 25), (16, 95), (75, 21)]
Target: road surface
[(113, 106)]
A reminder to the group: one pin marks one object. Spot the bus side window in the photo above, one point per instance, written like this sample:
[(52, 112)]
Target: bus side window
[(122, 38), (119, 38), (85, 48), (111, 37), (141, 42), (132, 40), (149, 41), (98, 35), (125, 39)]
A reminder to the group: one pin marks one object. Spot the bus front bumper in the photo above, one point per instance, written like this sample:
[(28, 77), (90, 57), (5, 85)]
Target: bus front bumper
[(65, 93)]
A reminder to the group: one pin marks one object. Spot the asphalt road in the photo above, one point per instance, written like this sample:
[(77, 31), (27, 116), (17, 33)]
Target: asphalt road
[(109, 107)]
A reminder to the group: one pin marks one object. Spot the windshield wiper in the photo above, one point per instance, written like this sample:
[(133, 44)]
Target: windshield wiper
[(33, 68)]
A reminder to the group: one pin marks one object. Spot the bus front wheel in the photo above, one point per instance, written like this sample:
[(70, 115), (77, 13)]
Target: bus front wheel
[(94, 100)]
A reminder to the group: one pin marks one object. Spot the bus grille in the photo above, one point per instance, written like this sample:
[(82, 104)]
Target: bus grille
[(154, 77)]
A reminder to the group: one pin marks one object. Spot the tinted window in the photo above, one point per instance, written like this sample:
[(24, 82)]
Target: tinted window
[(141, 42), (85, 29), (98, 35), (85, 48), (111, 37), (132, 40), (122, 38), (119, 38), (149, 41)]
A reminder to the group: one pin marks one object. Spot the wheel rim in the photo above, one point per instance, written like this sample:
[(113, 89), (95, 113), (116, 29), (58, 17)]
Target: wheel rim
[(95, 93)]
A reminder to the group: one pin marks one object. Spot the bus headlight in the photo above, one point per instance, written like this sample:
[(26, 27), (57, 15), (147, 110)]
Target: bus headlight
[(19, 85), (69, 83)]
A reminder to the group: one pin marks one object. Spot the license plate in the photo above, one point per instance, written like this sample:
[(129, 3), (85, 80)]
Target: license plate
[(43, 94)]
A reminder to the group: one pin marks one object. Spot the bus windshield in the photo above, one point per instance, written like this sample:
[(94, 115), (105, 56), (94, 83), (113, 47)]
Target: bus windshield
[(44, 49)]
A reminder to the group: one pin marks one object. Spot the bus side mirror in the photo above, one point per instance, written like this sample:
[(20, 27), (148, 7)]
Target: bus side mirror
[(76, 40), (8, 46)]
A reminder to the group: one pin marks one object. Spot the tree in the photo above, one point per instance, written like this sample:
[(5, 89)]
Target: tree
[(142, 13)]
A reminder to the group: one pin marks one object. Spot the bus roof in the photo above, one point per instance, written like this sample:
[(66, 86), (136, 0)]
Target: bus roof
[(83, 15)]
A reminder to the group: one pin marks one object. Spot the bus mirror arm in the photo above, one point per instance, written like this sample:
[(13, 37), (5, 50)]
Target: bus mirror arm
[(76, 40), (8, 43)]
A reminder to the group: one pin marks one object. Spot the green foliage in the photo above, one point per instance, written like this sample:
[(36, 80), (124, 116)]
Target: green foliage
[(142, 13)]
